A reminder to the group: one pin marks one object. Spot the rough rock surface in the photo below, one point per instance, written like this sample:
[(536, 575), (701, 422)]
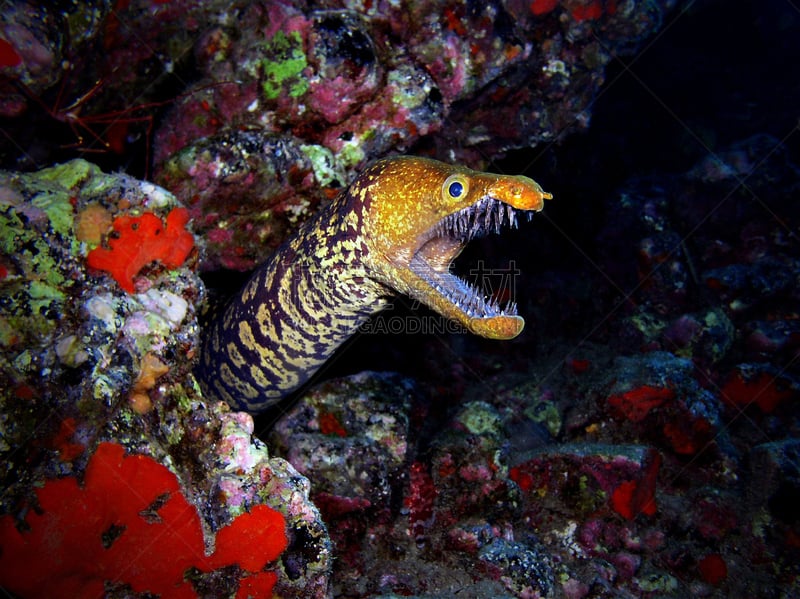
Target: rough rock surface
[(85, 362)]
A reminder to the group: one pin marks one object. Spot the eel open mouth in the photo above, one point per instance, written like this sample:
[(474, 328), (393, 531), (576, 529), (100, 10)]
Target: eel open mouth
[(453, 296)]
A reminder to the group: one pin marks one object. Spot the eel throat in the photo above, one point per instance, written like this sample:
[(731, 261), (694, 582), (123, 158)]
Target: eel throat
[(396, 229)]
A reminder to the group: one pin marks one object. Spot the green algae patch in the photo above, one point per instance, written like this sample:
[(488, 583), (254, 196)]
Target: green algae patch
[(480, 418), (44, 295), (326, 169), (283, 66), (546, 413), (34, 286), (56, 204), (69, 175)]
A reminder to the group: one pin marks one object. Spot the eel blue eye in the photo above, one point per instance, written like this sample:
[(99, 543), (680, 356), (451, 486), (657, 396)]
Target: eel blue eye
[(456, 189)]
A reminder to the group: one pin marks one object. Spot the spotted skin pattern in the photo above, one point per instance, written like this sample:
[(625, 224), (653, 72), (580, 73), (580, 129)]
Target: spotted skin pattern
[(395, 229)]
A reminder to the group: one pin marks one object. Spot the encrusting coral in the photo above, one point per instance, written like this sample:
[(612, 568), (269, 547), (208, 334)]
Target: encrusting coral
[(141, 240), (129, 524), (90, 370)]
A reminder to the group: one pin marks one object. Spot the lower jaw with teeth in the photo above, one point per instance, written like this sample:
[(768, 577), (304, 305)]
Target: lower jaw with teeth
[(458, 300), (431, 283)]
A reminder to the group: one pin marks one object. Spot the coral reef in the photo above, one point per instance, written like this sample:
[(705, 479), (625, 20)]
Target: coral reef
[(141, 240), (656, 460), (367, 435), (102, 532), (640, 439), (336, 85), (294, 98), (107, 443)]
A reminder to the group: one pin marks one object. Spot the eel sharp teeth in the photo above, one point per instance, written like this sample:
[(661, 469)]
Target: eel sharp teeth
[(485, 215)]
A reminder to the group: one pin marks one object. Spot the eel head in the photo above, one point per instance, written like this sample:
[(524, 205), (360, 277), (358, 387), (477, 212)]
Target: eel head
[(418, 214)]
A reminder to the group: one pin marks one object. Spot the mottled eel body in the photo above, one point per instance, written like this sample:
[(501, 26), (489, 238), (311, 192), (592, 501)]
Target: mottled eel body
[(395, 229)]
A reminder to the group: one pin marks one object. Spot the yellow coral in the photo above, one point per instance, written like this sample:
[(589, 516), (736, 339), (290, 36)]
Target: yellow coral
[(91, 223)]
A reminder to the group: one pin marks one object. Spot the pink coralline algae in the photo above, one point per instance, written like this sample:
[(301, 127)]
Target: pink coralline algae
[(82, 537), (663, 402), (634, 497), (637, 403), (320, 92), (89, 372), (420, 497), (295, 97), (9, 57), (756, 385), (713, 568)]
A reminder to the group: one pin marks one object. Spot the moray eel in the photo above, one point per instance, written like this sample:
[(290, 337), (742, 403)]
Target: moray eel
[(395, 229)]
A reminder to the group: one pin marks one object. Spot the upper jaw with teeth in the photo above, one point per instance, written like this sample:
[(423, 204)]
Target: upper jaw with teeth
[(432, 260), (434, 285)]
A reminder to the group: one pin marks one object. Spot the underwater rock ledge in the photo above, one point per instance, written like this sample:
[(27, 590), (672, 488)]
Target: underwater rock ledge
[(104, 433)]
